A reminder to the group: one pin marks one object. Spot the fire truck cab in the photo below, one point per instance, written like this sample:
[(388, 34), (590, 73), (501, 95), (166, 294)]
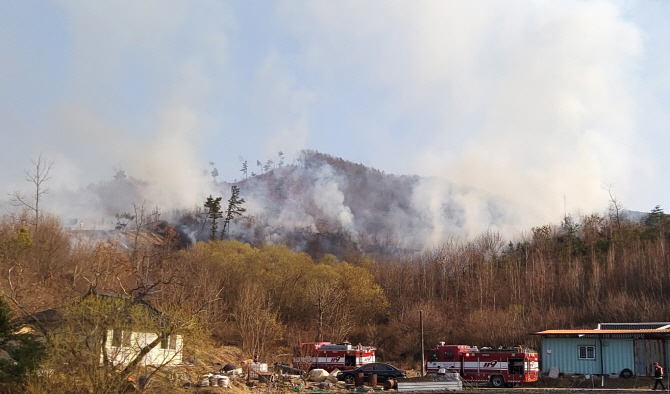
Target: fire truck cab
[(499, 367), (331, 356)]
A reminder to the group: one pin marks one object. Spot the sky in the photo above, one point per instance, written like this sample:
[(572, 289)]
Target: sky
[(550, 106)]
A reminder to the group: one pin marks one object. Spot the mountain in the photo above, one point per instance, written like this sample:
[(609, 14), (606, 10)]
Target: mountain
[(319, 204), (324, 204)]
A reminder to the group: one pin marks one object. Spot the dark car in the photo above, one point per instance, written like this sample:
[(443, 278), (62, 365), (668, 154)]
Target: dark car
[(382, 370)]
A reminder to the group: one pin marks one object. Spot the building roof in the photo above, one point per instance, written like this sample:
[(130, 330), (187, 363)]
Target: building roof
[(615, 329), (601, 332), (633, 326), (92, 291), (50, 318), (47, 317)]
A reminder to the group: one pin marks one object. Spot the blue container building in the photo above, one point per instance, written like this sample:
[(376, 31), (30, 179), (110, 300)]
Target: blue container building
[(624, 349)]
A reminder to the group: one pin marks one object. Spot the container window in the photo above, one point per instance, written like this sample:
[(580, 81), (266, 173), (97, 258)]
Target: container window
[(587, 352)]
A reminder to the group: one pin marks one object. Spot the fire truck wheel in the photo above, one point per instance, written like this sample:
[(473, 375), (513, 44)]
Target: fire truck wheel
[(497, 381), (349, 379)]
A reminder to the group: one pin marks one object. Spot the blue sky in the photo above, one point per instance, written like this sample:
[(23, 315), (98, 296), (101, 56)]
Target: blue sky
[(540, 103)]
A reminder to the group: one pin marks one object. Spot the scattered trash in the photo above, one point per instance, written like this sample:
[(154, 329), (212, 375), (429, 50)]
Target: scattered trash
[(333, 376), (287, 369), (317, 375), (255, 368), (325, 385), (223, 381)]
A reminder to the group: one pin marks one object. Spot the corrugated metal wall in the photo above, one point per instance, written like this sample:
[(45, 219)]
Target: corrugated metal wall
[(648, 351), (617, 355)]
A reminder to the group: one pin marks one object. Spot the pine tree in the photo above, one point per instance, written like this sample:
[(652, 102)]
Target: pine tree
[(234, 208), (657, 222), (213, 206), (245, 169), (22, 350)]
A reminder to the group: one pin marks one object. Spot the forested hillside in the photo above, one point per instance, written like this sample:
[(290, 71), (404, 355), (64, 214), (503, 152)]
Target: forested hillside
[(267, 297), (321, 204)]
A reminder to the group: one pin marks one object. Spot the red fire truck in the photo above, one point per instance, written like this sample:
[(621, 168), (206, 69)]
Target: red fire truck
[(499, 367), (330, 356)]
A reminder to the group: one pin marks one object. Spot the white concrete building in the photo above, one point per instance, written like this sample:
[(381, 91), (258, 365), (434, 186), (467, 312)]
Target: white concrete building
[(123, 346)]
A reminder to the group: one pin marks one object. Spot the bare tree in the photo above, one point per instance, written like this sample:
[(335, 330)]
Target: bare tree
[(615, 208), (257, 320), (334, 313), (142, 219), (37, 176), (148, 260)]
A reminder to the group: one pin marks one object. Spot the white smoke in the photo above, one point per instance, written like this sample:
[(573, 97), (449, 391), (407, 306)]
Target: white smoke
[(529, 104), (514, 113), (329, 198)]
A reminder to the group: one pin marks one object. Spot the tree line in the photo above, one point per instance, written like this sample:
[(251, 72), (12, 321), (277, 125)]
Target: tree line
[(267, 298)]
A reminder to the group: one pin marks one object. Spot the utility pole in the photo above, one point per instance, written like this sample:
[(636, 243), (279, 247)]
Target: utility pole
[(318, 335), (423, 363)]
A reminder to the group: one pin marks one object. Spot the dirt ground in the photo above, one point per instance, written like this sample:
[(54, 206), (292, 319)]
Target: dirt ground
[(563, 384)]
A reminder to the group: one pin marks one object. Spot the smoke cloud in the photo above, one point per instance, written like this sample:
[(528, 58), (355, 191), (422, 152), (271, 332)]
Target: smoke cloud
[(512, 114)]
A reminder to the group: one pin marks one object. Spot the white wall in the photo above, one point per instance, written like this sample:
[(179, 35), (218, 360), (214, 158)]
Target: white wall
[(125, 347)]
